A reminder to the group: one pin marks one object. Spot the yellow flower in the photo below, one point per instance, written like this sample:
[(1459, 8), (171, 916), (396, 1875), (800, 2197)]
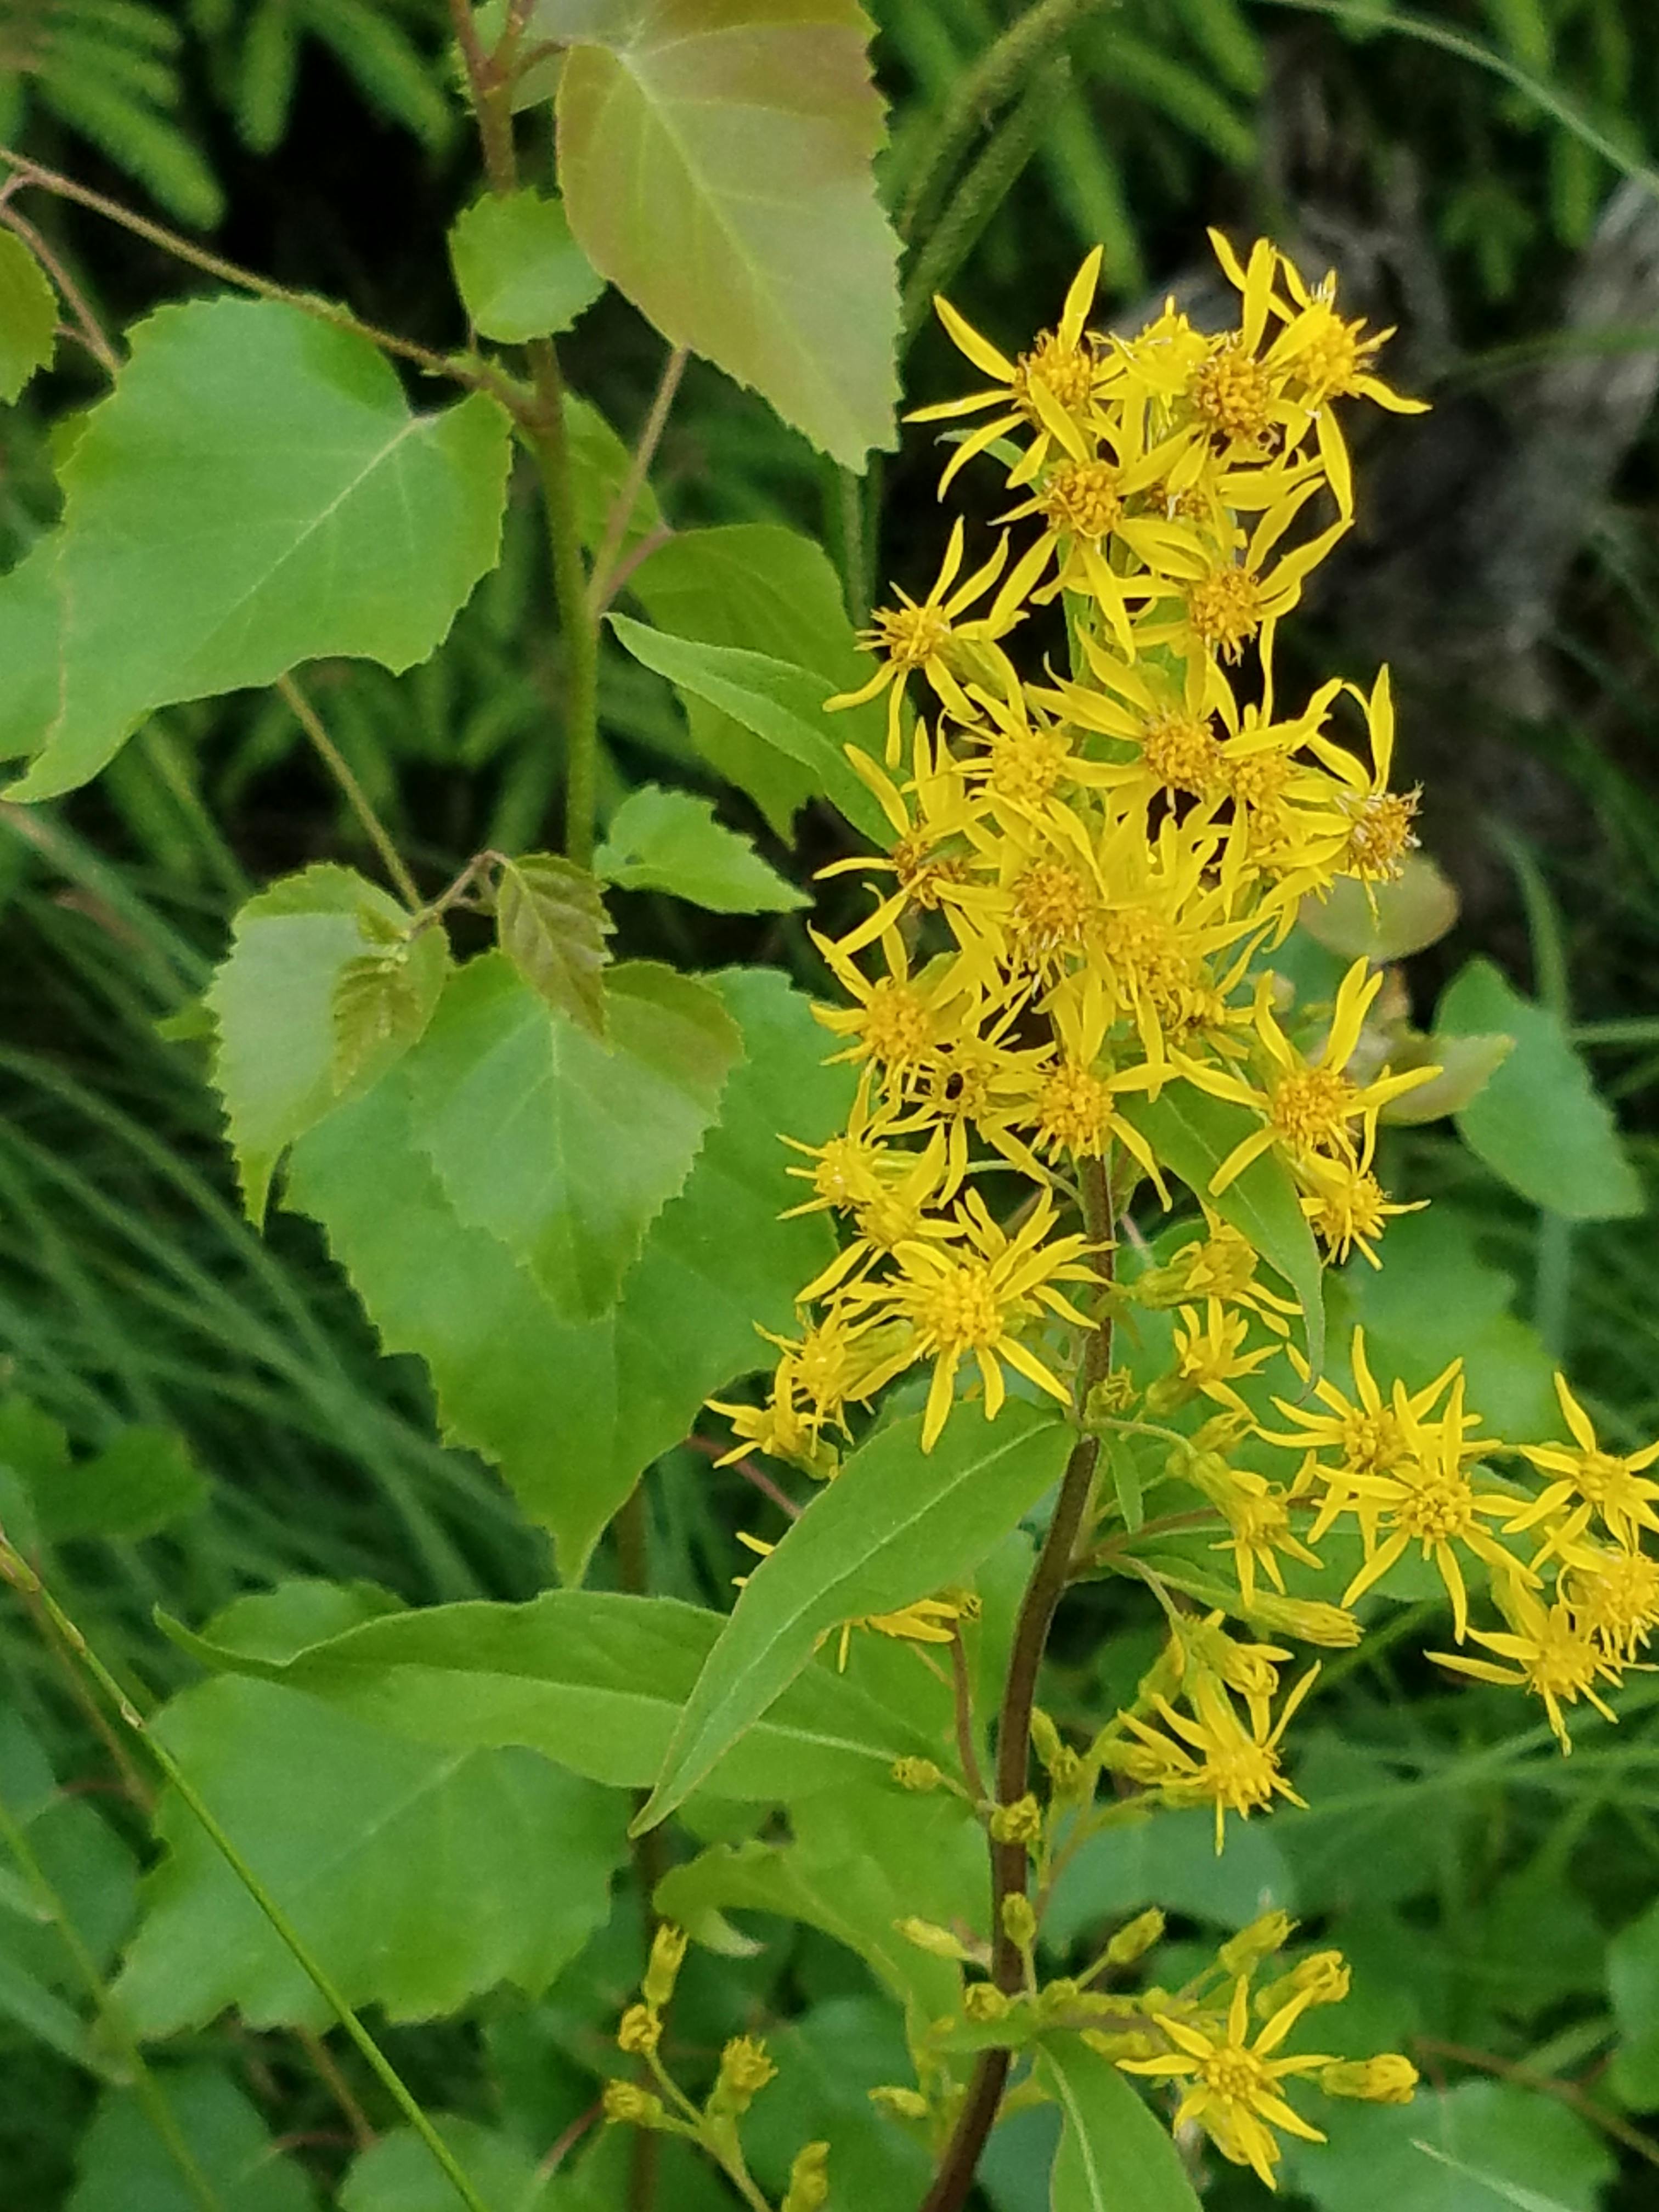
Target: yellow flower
[(971, 1296), (1615, 1594), (1210, 1354), (927, 1620), (1349, 1209), (1555, 1655), (927, 855), (896, 1019), (1232, 2083), (1609, 1487), (1379, 821), (924, 635), (1209, 1755)]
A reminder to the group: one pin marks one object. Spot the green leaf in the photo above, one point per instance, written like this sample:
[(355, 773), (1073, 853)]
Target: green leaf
[(1113, 2152), (570, 1412), (124, 2165), (750, 135), (1192, 1134), (250, 459), (519, 272), (418, 1876), (141, 1482), (593, 1679), (28, 316), (667, 841), (1491, 2136), (1539, 1124), (601, 465), (27, 2002), (895, 1524), (379, 1008), (829, 2060), (563, 1148), (1467, 1066), (1494, 2185), (398, 2173), (551, 923), (273, 1003), (782, 704), (267, 1628), (1384, 922), (1169, 1859), (770, 590), (1633, 1987)]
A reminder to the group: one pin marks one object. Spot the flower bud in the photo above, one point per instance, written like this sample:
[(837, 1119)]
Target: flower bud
[(809, 2180), (938, 1942), (1388, 2079), (1244, 1951), (1019, 1920), (1135, 1938), (667, 1955), (1322, 1977), (625, 2102), (918, 1774), (640, 2031), (1019, 1823), (983, 2002), (745, 2069), (902, 2104), (1307, 1619)]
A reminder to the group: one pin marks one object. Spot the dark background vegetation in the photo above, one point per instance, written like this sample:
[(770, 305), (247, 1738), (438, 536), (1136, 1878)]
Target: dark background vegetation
[(1507, 561)]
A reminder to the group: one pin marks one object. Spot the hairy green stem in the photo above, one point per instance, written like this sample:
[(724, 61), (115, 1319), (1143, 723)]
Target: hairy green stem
[(146, 2087), (1010, 1867), (994, 80), (552, 443), (356, 798), (15, 1569)]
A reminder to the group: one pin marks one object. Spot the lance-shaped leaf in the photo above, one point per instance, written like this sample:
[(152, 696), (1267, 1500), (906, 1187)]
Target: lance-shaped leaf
[(748, 131), (573, 1411), (563, 1147), (895, 1524), (279, 1063), (28, 315), (593, 1679), (1113, 2153), (669, 841), (419, 1876), (1192, 1134), (782, 704), (254, 493), (551, 923), (519, 272)]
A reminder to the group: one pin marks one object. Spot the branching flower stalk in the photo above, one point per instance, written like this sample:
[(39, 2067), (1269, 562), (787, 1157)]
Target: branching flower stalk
[(1096, 1152)]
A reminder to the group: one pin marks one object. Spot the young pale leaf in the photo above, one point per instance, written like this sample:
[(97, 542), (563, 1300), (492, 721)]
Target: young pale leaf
[(593, 1679), (28, 315), (782, 704), (572, 1412), (551, 923), (1113, 2152), (895, 1524), (1192, 1134), (124, 2165), (519, 272), (1539, 1124), (1467, 1066), (418, 1876), (254, 493), (766, 589), (1384, 922), (749, 134), (277, 1062), (563, 1147), (668, 841), (380, 1008)]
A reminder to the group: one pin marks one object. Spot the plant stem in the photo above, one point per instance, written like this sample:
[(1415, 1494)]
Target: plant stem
[(91, 332), (602, 587), (550, 442), (990, 85), (328, 2072), (477, 376), (15, 1569), (356, 798), (1009, 1868), (145, 2085), (979, 195)]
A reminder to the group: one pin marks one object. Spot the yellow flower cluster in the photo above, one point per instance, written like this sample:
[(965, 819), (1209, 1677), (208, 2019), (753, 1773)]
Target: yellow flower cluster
[(1068, 953)]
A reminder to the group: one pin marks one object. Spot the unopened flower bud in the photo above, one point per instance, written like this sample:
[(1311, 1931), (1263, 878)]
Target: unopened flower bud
[(640, 2031), (626, 2102), (902, 2104), (1019, 1823), (1045, 1737), (983, 2002), (1244, 1951), (667, 1955), (1388, 2079), (1113, 1395), (918, 1774), (938, 1942), (745, 2069), (809, 2180), (1307, 1619), (1125, 2043), (1019, 1920), (1135, 1938), (1322, 1977)]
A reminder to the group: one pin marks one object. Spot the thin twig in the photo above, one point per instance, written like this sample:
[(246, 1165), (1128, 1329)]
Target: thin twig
[(637, 554), (1551, 2084), (601, 590), (756, 1476), (328, 2072), (91, 334), (563, 2145), (356, 798)]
